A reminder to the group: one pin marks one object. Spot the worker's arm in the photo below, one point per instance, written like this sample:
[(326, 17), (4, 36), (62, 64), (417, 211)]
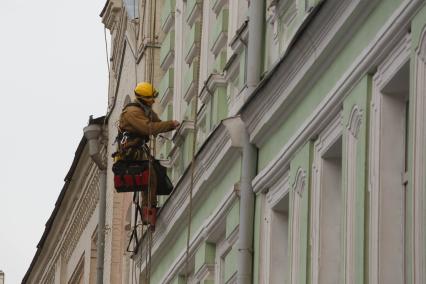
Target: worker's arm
[(144, 126)]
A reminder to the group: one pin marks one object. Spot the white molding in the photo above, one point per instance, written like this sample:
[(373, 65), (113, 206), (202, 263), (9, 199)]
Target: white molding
[(194, 13), (111, 13), (168, 60), (325, 140), (205, 272), (295, 240), (396, 58), (169, 22), (193, 51), (219, 43), (167, 97), (418, 172), (185, 127), (218, 5), (240, 39), (393, 62), (211, 85), (277, 191), (352, 129)]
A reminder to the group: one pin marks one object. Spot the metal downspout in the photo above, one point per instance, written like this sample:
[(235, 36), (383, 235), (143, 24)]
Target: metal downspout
[(240, 138), (92, 132), (239, 134), (255, 41)]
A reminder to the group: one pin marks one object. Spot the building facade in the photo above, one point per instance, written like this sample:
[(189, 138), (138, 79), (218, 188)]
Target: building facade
[(300, 156)]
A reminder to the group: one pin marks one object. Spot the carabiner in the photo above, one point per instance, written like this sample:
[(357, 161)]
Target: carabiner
[(124, 139)]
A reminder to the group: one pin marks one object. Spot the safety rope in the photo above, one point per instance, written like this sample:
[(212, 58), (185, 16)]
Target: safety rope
[(150, 229), (194, 148)]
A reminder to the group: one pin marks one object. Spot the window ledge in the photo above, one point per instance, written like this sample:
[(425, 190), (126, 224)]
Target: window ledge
[(214, 81), (185, 127)]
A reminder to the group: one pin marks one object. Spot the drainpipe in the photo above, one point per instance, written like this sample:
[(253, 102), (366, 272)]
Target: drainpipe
[(93, 132), (240, 138), (255, 40)]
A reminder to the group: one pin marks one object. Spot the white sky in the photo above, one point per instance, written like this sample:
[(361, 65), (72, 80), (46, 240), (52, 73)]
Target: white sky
[(53, 75)]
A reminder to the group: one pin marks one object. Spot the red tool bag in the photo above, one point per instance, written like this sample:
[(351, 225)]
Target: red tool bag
[(131, 176)]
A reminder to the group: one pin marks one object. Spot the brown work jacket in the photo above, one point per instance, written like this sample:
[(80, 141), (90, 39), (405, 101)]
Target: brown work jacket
[(144, 122)]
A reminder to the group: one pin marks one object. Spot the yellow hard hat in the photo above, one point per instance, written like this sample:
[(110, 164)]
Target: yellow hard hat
[(145, 90)]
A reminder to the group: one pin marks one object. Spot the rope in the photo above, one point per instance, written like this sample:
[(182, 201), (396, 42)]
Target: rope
[(194, 146)]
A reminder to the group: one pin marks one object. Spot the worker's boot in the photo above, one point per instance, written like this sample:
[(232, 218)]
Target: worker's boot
[(149, 216)]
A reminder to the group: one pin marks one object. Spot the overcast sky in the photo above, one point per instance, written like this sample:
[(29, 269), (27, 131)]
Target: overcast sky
[(53, 75)]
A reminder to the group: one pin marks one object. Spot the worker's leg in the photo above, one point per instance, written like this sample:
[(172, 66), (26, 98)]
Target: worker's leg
[(152, 194), (149, 200)]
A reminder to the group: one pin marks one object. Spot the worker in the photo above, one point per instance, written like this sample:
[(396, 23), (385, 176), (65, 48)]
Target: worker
[(138, 122)]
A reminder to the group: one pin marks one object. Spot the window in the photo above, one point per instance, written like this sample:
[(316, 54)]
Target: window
[(279, 241), (132, 8), (327, 212), (77, 276), (388, 166), (330, 226), (393, 177)]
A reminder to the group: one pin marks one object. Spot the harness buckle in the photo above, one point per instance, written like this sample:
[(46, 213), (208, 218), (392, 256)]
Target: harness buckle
[(124, 139)]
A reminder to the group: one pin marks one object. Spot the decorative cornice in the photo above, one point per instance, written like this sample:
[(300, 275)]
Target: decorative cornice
[(278, 190), (84, 210), (393, 31), (393, 62), (111, 13)]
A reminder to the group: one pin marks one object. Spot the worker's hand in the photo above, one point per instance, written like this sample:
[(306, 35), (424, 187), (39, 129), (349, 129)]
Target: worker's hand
[(176, 124)]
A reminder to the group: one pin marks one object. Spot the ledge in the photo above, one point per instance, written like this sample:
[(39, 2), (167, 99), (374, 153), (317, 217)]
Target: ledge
[(217, 5), (167, 52), (168, 15), (184, 128), (194, 39), (194, 10), (190, 82), (240, 39), (213, 82), (110, 13), (220, 35)]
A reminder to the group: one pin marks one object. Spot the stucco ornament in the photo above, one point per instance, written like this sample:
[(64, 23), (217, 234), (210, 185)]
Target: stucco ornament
[(272, 17), (299, 181), (354, 121)]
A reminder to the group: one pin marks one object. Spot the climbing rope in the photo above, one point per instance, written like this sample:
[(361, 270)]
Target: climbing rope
[(194, 148)]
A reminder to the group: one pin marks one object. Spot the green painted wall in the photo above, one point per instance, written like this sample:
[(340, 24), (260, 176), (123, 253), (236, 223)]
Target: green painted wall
[(233, 218), (230, 264), (344, 59), (200, 214), (359, 97)]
